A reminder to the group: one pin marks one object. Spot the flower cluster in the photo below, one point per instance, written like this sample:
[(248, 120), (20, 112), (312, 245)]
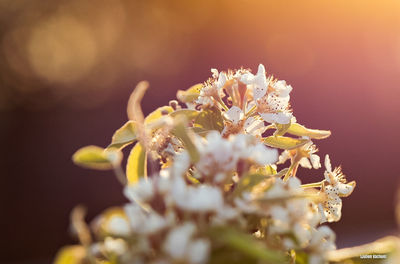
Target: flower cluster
[(206, 180)]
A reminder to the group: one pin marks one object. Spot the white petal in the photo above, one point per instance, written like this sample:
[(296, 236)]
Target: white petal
[(178, 239), (283, 157), (235, 114), (119, 226), (140, 192), (294, 183), (328, 165), (305, 163), (315, 161), (254, 126), (221, 80), (280, 118), (282, 89), (345, 189), (198, 251), (214, 73), (116, 246), (279, 213), (261, 70), (247, 78), (263, 155)]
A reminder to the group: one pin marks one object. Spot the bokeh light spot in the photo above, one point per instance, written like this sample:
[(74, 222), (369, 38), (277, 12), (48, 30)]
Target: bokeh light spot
[(62, 49)]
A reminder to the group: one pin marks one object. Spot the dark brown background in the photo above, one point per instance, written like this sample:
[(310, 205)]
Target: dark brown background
[(68, 67)]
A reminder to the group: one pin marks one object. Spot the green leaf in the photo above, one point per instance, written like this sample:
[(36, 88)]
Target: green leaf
[(281, 129), (136, 166), (246, 244), (199, 131), (94, 157), (284, 142), (190, 94), (299, 130), (247, 182), (267, 170), (71, 255), (188, 113), (124, 136), (184, 135), (157, 114), (210, 119)]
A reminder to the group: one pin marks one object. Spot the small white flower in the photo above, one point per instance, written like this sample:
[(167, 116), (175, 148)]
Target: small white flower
[(177, 240), (199, 199), (143, 222), (275, 108), (336, 187), (258, 82), (140, 192), (262, 154), (116, 246), (119, 226), (216, 155), (245, 204), (198, 251), (281, 189), (234, 114), (322, 239), (254, 126), (337, 180), (281, 89), (280, 117), (221, 80), (181, 164), (225, 213), (308, 158)]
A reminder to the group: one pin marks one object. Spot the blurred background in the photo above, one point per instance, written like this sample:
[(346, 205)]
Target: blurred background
[(68, 67)]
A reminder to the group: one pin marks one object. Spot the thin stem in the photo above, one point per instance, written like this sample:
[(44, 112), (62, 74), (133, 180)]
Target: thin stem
[(292, 170), (312, 185), (287, 175), (120, 175), (222, 103), (251, 111)]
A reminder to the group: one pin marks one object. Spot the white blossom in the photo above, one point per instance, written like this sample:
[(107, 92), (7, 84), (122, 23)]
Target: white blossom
[(216, 155), (336, 187), (140, 192), (198, 251), (234, 114), (119, 226), (115, 245), (144, 222), (200, 199), (181, 245), (258, 82)]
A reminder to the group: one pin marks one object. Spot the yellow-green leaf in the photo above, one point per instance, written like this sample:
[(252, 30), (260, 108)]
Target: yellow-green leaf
[(184, 135), (157, 114), (247, 244), (281, 129), (299, 130), (188, 113), (284, 142), (94, 157), (71, 255), (247, 182), (210, 119), (124, 136), (136, 166), (267, 170), (189, 95)]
